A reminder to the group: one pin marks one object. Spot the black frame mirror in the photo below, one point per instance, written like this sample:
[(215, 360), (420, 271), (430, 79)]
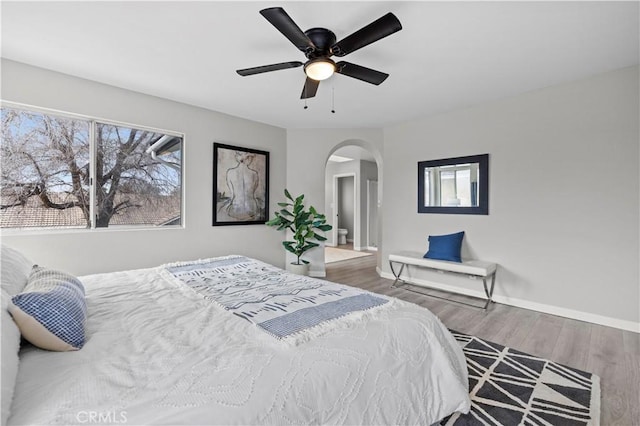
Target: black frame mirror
[(479, 190)]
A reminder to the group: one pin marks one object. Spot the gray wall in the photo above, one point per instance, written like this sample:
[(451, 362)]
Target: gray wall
[(368, 171), (372, 205), (84, 252), (564, 196), (335, 168), (563, 199), (346, 205), (554, 152)]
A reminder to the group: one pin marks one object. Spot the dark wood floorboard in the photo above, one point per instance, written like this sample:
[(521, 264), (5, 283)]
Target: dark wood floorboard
[(612, 354)]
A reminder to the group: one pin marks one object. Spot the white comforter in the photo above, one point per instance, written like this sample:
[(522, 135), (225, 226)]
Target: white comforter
[(159, 353)]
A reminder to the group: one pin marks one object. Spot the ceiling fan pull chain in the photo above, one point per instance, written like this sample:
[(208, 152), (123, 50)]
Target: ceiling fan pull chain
[(333, 100), (305, 104)]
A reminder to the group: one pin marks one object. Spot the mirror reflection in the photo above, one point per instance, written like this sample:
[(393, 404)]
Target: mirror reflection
[(455, 185)]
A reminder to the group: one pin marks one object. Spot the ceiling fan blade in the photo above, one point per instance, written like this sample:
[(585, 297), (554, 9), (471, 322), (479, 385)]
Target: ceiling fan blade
[(310, 88), (361, 73), (283, 23), (267, 68), (375, 31)]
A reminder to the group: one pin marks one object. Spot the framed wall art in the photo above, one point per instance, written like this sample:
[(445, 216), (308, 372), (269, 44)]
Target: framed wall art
[(240, 185)]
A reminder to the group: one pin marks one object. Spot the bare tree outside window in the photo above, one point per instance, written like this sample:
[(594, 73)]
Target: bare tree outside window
[(45, 173), (131, 180), (45, 166)]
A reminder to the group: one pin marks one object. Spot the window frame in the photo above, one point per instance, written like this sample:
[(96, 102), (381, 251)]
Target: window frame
[(93, 121)]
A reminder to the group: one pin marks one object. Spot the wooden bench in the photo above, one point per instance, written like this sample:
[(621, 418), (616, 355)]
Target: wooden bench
[(471, 268)]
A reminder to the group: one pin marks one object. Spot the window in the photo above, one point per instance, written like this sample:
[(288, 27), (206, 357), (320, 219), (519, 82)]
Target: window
[(68, 172), (456, 186), (137, 181)]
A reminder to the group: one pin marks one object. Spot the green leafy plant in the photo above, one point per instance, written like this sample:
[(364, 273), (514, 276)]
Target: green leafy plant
[(302, 222)]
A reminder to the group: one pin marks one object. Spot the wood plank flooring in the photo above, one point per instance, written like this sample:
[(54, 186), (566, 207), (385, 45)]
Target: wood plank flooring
[(612, 354)]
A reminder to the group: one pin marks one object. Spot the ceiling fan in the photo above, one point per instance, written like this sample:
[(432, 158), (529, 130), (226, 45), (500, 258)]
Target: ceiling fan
[(319, 44)]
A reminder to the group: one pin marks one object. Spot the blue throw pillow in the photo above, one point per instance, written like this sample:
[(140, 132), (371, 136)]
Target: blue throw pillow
[(51, 310), (445, 247)]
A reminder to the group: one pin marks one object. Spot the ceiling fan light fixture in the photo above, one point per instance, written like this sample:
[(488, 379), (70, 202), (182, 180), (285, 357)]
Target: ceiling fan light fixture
[(319, 45), (320, 69)]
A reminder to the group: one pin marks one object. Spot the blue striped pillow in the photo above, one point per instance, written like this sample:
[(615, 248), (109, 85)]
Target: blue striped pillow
[(51, 310)]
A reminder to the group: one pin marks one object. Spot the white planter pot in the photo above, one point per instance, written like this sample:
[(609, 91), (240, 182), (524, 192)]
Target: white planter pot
[(302, 269)]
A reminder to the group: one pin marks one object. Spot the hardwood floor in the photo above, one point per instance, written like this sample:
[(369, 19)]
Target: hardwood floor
[(612, 354)]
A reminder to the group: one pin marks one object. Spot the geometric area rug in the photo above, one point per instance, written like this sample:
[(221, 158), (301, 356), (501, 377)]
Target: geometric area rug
[(509, 387)]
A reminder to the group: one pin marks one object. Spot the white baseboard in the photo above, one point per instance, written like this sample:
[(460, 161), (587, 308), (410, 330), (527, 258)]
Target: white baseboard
[(526, 304), (372, 248), (318, 274), (328, 244), (358, 248)]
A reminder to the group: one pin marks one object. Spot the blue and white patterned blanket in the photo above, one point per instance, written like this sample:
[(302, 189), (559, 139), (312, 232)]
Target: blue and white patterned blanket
[(280, 303)]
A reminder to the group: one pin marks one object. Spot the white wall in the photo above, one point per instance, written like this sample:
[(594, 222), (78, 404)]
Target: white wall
[(307, 153), (85, 252), (563, 199)]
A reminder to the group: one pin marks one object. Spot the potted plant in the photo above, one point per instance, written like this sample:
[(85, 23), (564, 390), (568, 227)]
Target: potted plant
[(303, 224)]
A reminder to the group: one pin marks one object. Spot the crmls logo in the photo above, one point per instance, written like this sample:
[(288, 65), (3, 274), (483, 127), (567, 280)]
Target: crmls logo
[(102, 417)]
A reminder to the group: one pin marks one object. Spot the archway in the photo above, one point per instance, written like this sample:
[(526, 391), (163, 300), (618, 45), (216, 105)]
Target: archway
[(359, 163)]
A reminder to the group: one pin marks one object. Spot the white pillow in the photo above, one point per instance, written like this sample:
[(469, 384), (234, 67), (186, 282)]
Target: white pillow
[(14, 273), (15, 270)]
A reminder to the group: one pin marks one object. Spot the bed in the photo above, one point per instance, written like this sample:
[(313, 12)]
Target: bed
[(159, 350)]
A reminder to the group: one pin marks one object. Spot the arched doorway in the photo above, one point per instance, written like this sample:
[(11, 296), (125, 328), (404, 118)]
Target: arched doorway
[(353, 189)]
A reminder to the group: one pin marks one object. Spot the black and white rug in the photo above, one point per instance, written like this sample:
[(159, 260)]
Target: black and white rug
[(508, 387)]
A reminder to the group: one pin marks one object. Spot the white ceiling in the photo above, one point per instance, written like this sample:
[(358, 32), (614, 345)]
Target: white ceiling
[(448, 55)]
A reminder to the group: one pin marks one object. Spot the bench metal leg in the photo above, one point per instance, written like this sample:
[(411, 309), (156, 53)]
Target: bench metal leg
[(489, 291), (398, 274)]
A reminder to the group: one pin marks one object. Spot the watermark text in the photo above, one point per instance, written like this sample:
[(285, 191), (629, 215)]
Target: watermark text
[(102, 417)]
